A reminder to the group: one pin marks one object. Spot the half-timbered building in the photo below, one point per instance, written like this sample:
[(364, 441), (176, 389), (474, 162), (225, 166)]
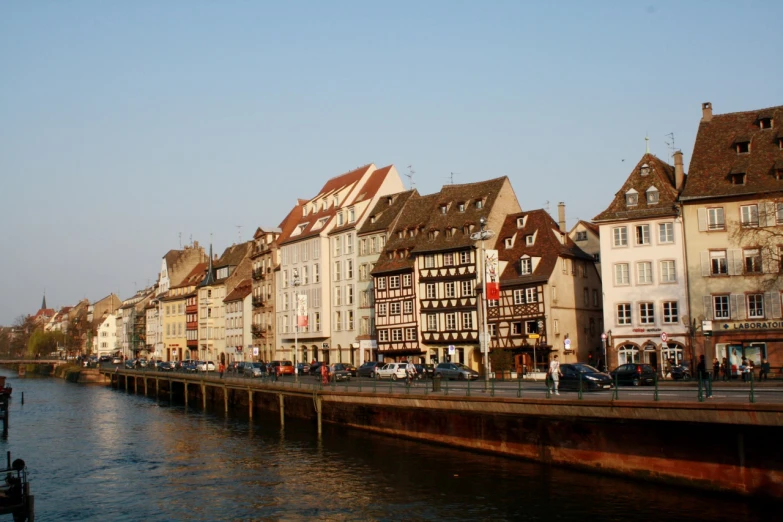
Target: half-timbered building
[(550, 294)]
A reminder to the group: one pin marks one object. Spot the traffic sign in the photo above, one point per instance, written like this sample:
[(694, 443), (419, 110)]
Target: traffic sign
[(451, 349), (664, 337), (567, 343)]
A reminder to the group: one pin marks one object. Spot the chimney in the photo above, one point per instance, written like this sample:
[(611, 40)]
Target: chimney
[(561, 217), (679, 171), (706, 111)]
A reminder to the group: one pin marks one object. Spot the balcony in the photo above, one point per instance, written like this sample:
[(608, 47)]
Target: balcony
[(258, 301), (257, 330), (258, 274)]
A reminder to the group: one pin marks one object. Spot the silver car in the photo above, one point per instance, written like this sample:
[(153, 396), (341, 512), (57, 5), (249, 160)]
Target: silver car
[(456, 371), (251, 369)]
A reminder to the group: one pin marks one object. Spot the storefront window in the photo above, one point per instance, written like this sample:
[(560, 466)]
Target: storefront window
[(627, 353)]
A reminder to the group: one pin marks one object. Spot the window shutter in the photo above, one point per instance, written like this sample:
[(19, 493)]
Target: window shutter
[(733, 306), (775, 302), (707, 306), (702, 213), (735, 262), (767, 305), (705, 264), (740, 306), (770, 211), (766, 260)]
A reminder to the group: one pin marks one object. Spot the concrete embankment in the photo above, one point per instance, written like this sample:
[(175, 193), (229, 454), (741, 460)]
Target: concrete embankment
[(718, 446)]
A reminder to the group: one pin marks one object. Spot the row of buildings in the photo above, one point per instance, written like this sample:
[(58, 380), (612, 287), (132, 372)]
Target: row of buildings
[(676, 265)]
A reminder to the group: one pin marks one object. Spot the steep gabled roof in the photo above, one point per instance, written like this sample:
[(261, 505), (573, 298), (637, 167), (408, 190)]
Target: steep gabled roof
[(547, 246), (661, 176), (592, 227), (242, 290), (413, 220), (715, 155), (195, 276), (383, 214)]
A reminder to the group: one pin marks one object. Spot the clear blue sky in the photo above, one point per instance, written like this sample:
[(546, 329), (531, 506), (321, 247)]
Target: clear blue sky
[(124, 124)]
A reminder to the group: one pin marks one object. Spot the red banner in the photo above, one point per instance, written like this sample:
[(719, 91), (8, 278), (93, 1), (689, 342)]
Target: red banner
[(493, 291)]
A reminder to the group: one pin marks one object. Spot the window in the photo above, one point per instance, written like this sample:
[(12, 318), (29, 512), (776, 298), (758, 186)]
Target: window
[(451, 321), (581, 236), (381, 283), (338, 321), (451, 289), (338, 270), (670, 312), (666, 232), (749, 215), (338, 296), (383, 336), (743, 147), (444, 209), (464, 256), (525, 266), (407, 306), (373, 245), (467, 320), (752, 257), (621, 276), (646, 313), (756, 306), (410, 333), (363, 273), (432, 322), (394, 308), (430, 289), (779, 214), (715, 220), (644, 170), (516, 328), (531, 295), (642, 234), (620, 236), (624, 314), (668, 274), (362, 247), (644, 273), (448, 259), (349, 268), (492, 329), (718, 262), (586, 296), (631, 199), (394, 281), (351, 215), (406, 280), (349, 294), (531, 327), (338, 245), (509, 242), (479, 203), (519, 297), (461, 207), (652, 196), (382, 309), (467, 288), (765, 123), (595, 297), (429, 261), (721, 306)]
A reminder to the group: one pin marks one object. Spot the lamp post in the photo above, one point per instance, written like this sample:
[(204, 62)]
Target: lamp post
[(483, 235), (295, 282)]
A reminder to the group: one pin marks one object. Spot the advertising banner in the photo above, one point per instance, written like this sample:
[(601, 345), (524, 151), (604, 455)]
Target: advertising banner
[(301, 310), (491, 275)]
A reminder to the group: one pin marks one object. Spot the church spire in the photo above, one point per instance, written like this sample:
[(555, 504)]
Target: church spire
[(210, 277), (43, 305)]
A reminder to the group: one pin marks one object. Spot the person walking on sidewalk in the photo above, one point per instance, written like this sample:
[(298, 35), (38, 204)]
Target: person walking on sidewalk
[(715, 369), (764, 373), (554, 374), (704, 375)]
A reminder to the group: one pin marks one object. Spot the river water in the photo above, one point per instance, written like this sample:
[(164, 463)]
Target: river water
[(100, 454)]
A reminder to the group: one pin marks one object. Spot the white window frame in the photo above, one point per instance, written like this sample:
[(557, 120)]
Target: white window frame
[(668, 271), (620, 237), (755, 306), (665, 233), (622, 274), (525, 266), (644, 274), (623, 314), (451, 321), (670, 312), (646, 313), (642, 235)]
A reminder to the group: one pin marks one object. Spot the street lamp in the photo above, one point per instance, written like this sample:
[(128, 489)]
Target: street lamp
[(483, 235), (295, 282)]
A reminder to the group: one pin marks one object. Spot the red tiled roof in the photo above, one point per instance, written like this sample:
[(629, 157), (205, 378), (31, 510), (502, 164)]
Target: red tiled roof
[(241, 291), (661, 176), (715, 155), (194, 277)]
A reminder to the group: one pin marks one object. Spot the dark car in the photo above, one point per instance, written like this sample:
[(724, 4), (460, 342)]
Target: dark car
[(681, 371), (425, 371), (369, 369), (130, 364), (188, 366), (104, 358), (353, 370), (339, 372), (315, 368), (302, 368), (634, 374), (592, 378), (166, 366)]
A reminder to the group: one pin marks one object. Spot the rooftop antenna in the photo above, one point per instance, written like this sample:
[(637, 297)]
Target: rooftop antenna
[(647, 144), (180, 240), (670, 144), (239, 233), (451, 177), (547, 206), (409, 175), (191, 239)]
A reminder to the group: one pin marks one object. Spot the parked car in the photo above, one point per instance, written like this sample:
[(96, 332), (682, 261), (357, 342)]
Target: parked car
[(105, 358), (681, 371), (634, 374), (303, 368), (339, 372), (455, 371), (130, 364), (281, 368), (166, 366), (369, 368), (253, 369), (141, 363), (315, 368), (424, 371), (353, 370), (592, 378), (235, 367), (205, 366), (188, 366), (392, 371), (116, 360)]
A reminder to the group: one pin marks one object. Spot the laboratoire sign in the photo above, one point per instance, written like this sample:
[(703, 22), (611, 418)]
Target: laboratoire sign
[(755, 325)]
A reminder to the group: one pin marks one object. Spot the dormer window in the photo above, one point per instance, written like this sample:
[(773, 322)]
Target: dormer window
[(479, 204), (461, 206), (742, 145), (581, 236), (530, 239), (765, 123), (389, 200), (780, 142), (521, 221), (412, 232), (737, 178), (652, 196), (509, 242), (644, 170), (525, 266), (401, 234), (304, 211), (631, 198), (351, 215), (336, 201), (432, 234), (444, 208), (340, 219), (323, 206), (372, 219)]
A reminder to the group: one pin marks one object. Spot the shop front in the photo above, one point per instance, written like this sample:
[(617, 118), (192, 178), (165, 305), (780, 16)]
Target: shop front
[(754, 341)]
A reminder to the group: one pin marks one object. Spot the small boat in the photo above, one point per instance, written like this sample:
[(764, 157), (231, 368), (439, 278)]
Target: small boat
[(5, 391), (15, 497)]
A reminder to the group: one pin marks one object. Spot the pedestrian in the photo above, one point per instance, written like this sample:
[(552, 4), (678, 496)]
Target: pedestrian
[(724, 366), (744, 370), (704, 376), (554, 374), (221, 369), (324, 374), (410, 371), (715, 369), (764, 370)]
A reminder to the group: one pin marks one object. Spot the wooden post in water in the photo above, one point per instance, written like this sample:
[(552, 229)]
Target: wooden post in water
[(146, 392), (225, 399), (204, 395), (185, 383), (250, 402), (318, 409), (282, 410)]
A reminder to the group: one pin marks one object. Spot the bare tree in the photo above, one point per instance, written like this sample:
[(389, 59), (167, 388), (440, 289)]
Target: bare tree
[(759, 231)]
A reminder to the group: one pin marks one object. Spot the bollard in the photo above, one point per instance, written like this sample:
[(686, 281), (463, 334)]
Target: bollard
[(447, 386), (519, 387), (579, 395), (374, 384), (752, 394), (468, 392), (655, 381), (436, 381), (390, 386), (700, 396), (548, 389), (616, 393), (492, 390), (360, 383)]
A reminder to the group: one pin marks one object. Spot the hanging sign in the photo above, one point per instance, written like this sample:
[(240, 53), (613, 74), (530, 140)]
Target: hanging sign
[(301, 310), (491, 275)]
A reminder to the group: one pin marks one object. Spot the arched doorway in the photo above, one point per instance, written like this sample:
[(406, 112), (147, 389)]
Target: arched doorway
[(651, 354), (627, 353)]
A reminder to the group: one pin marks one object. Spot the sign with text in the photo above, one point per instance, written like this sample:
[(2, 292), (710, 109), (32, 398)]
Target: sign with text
[(301, 310), (491, 274)]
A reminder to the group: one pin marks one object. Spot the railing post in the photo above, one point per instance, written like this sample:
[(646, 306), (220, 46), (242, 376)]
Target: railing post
[(374, 384), (492, 390), (700, 396), (519, 387), (616, 393), (655, 381), (468, 392), (752, 392), (579, 395), (447, 387)]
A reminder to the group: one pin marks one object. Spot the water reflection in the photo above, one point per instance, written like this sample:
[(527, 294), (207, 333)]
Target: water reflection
[(99, 454)]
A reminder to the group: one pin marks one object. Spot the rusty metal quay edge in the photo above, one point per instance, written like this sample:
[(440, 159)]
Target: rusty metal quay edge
[(731, 447)]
